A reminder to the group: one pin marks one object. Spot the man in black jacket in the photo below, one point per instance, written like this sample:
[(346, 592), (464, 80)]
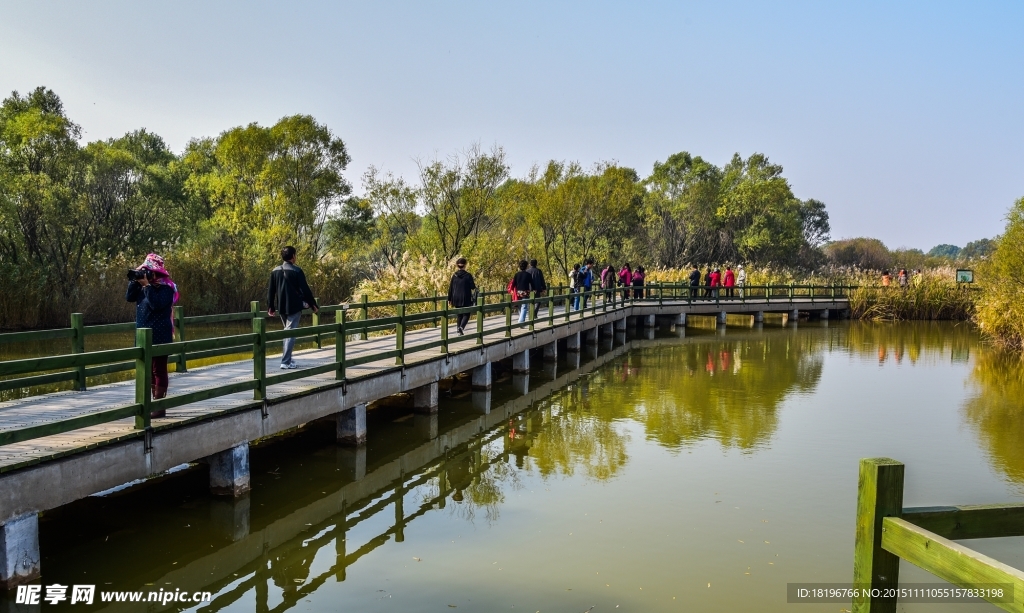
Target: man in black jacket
[(694, 281), (460, 293), (523, 282), (287, 294), (539, 285)]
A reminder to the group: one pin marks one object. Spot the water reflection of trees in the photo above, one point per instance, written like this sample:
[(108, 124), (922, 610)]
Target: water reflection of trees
[(996, 410)]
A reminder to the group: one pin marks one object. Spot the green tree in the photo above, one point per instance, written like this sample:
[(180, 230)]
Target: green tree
[(944, 251)]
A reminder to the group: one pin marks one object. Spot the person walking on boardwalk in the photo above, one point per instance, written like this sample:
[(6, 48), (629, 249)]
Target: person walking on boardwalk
[(694, 281), (608, 278), (539, 285), (638, 282), (522, 285), (716, 282), (574, 286), (626, 279), (460, 293), (587, 279), (741, 278), (707, 283), (287, 294), (729, 281), (154, 293)]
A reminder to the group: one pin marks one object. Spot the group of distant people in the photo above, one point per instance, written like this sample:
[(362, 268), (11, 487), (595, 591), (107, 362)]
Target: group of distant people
[(903, 279), (717, 284)]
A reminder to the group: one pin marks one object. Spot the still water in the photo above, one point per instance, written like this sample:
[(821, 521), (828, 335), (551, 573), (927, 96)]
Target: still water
[(700, 471)]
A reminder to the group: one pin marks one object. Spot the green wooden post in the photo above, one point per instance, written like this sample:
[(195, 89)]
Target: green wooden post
[(179, 337), (435, 308), (78, 346), (879, 495), (661, 294), (364, 315), (568, 305), (400, 330), (531, 309), (259, 357), (508, 315), (444, 328), (791, 293), (144, 377), (480, 320), (339, 344), (593, 302), (551, 310), (316, 322)]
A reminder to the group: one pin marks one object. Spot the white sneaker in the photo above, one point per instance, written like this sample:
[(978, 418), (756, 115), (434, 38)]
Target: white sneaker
[(293, 364), (284, 366)]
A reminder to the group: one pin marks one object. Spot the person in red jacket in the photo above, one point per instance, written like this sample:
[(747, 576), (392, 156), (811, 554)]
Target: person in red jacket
[(716, 282), (729, 282)]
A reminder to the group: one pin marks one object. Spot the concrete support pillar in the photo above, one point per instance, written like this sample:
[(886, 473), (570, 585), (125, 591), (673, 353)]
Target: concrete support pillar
[(551, 352), (482, 401), (550, 370), (572, 343), (607, 330), (426, 425), (592, 351), (794, 316), (481, 378), (620, 338), (591, 336), (681, 320), (648, 333), (351, 462), (230, 518), (680, 331), (352, 426), (824, 314), (607, 343), (424, 398), (521, 362), (649, 321), (521, 383), (721, 318), (229, 471), (620, 325), (19, 550), (759, 317)]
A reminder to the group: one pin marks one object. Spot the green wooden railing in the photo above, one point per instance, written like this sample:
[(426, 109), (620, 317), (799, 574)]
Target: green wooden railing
[(888, 532), (79, 365)]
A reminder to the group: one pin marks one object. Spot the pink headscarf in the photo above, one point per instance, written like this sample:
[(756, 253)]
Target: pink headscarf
[(155, 263)]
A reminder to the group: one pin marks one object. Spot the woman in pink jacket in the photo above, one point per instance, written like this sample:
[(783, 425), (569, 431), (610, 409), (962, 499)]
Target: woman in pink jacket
[(626, 279)]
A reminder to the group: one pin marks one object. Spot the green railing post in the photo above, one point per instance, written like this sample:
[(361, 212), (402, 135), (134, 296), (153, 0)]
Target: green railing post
[(480, 320), (435, 308), (593, 302), (316, 322), (879, 495), (791, 293), (78, 346), (661, 294), (551, 310), (144, 377), (179, 337), (364, 315), (568, 305), (508, 315), (444, 327), (531, 309), (400, 330), (339, 343), (259, 357)]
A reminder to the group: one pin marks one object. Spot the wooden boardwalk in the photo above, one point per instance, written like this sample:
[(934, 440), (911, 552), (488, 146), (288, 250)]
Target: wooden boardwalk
[(62, 406)]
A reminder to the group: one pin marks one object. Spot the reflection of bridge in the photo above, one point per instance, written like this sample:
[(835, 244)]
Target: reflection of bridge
[(282, 551), (57, 448)]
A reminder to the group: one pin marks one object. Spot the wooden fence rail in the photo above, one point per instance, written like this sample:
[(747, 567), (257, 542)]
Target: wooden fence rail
[(888, 532)]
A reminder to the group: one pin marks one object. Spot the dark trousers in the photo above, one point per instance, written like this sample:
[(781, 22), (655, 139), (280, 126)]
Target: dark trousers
[(693, 291), (463, 321)]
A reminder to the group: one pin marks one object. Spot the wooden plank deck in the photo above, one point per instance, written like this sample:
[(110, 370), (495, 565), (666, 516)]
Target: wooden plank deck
[(54, 407)]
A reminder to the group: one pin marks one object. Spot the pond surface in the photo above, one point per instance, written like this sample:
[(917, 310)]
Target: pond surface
[(700, 471)]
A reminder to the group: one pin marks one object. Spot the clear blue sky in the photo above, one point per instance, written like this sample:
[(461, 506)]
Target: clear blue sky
[(906, 119)]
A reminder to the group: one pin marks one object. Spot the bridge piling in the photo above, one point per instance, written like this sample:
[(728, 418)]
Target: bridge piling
[(19, 550), (351, 425), (681, 319), (229, 471), (551, 352), (620, 325), (823, 314), (481, 377), (794, 316), (424, 398), (759, 317), (572, 343), (721, 319), (521, 362), (591, 336), (521, 383), (648, 321)]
